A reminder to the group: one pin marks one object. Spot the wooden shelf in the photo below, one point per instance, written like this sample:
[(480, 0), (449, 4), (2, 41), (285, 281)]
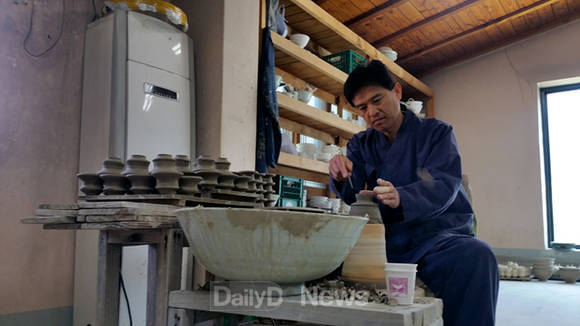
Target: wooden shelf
[(306, 17), (325, 312), (302, 163), (307, 66), (307, 115)]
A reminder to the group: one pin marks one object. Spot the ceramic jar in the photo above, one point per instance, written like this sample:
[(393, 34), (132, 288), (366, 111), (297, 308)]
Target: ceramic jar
[(166, 174), (141, 184), (203, 163), (112, 165), (365, 205), (366, 261), (241, 183), (114, 184), (183, 163), (188, 184), (226, 178), (136, 164), (91, 184), (252, 181)]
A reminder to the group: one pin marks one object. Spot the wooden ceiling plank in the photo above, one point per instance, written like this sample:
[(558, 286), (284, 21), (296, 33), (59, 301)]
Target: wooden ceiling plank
[(560, 9), (546, 15), (518, 13), (363, 5), (557, 22), (368, 15), (494, 33), (573, 5), (437, 17)]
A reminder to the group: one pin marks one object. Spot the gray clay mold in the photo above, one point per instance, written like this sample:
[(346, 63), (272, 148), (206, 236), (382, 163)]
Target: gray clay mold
[(141, 184), (136, 165), (112, 165), (91, 184), (114, 184)]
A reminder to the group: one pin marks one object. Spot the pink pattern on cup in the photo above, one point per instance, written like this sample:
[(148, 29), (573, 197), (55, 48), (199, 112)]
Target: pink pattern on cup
[(398, 286)]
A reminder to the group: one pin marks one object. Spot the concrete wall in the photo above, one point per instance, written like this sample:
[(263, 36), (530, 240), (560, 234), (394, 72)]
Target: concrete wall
[(39, 148), (225, 35), (492, 102)]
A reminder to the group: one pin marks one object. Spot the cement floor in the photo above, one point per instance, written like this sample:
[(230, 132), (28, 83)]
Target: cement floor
[(552, 303)]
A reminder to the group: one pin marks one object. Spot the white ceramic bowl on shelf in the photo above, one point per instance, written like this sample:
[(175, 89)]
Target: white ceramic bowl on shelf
[(300, 39), (389, 53)]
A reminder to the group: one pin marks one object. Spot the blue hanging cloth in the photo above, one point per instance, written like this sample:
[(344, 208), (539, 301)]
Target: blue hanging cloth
[(268, 136)]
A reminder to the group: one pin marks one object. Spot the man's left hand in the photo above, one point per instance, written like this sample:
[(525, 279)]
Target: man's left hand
[(387, 194)]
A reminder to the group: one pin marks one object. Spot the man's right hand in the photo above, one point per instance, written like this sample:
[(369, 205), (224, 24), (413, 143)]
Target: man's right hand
[(340, 167)]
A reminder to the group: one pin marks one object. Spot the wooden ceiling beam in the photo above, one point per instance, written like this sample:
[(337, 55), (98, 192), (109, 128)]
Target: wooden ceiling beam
[(371, 12), (441, 15), (557, 22), (522, 11)]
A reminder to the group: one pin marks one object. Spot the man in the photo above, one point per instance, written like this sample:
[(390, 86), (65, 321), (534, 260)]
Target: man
[(412, 165)]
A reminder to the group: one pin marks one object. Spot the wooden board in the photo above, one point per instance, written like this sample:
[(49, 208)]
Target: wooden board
[(59, 206), (307, 115), (301, 129), (56, 212), (329, 313), (176, 200), (169, 211), (302, 163), (47, 220), (124, 225), (132, 217)]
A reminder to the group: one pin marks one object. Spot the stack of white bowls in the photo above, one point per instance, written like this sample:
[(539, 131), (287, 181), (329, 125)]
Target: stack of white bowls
[(307, 150), (344, 208), (320, 202), (543, 267), (327, 152), (334, 205)]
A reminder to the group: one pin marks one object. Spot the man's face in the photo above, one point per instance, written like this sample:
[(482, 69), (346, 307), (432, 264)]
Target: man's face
[(379, 106)]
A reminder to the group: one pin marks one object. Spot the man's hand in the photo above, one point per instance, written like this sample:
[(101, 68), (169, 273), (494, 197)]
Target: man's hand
[(387, 193), (340, 167)]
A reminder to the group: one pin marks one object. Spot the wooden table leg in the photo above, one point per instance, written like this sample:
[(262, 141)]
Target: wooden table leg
[(164, 274), (108, 281)]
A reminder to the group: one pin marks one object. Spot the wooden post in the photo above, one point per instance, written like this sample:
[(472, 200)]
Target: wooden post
[(431, 107), (109, 266), (164, 274)]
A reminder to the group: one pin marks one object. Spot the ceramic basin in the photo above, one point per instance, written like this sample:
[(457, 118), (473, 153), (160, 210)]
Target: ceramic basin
[(267, 245)]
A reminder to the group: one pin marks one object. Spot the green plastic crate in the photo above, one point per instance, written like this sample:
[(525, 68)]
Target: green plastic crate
[(289, 187), (289, 202), (345, 60)]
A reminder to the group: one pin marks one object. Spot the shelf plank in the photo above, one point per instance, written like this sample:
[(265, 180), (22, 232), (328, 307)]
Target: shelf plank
[(302, 163), (305, 130), (307, 66), (323, 29), (327, 312), (303, 113)]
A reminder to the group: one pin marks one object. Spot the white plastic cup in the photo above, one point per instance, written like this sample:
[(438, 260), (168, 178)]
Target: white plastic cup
[(400, 279)]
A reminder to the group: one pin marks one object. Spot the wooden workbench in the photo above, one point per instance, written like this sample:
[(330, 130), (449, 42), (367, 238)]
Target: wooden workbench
[(123, 223)]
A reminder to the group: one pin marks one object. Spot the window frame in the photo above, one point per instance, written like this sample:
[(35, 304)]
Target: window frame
[(544, 92)]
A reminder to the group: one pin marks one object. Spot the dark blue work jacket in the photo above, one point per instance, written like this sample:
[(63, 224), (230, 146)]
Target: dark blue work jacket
[(423, 163)]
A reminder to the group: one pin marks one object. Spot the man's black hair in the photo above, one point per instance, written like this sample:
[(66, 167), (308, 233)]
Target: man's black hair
[(372, 73)]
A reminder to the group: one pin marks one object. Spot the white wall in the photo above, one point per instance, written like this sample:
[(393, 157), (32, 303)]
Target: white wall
[(492, 102), (225, 35)]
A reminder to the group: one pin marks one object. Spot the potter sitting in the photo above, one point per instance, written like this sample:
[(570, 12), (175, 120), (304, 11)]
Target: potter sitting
[(413, 168)]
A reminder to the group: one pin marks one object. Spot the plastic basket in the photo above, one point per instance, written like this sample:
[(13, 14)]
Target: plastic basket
[(345, 60), (289, 187)]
